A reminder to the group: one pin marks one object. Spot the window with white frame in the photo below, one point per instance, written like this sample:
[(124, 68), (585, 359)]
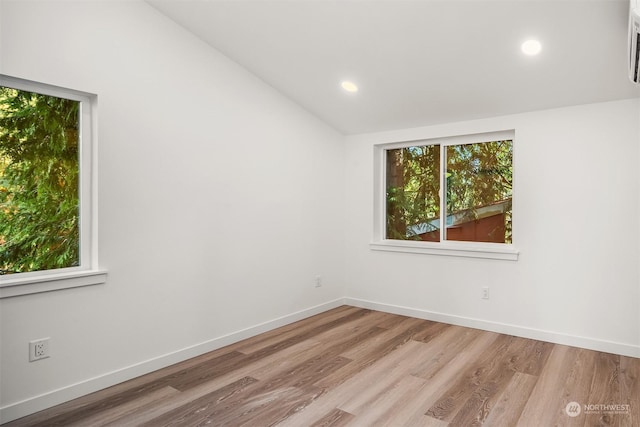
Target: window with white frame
[(451, 196), (47, 188)]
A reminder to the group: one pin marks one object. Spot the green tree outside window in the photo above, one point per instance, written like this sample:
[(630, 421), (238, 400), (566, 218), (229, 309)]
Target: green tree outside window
[(39, 187), (478, 182)]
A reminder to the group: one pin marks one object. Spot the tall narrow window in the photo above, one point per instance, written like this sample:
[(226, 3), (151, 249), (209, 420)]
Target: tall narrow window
[(47, 187), (39, 187), (450, 191)]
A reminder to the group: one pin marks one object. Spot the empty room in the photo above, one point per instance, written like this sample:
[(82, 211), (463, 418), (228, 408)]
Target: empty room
[(306, 213)]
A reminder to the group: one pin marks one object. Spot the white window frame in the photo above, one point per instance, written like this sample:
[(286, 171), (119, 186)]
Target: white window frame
[(500, 251), (88, 272)]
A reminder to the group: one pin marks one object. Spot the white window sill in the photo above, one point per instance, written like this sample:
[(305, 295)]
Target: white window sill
[(457, 249), (13, 286)]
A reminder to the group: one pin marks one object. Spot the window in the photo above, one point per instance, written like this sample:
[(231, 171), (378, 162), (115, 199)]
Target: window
[(47, 194), (451, 196)]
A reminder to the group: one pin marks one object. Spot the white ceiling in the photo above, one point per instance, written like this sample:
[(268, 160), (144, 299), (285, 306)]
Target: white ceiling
[(420, 62)]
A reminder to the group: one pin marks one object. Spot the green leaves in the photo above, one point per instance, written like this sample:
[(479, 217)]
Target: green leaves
[(478, 180), (39, 204)]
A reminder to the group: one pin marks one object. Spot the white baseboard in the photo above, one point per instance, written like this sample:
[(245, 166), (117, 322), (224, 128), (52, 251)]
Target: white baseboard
[(503, 328), (47, 400)]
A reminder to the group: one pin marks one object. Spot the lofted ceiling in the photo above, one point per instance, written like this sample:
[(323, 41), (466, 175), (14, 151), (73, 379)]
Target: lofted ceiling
[(420, 62)]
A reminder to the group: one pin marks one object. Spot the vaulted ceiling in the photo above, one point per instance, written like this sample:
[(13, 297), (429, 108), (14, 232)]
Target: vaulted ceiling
[(420, 62)]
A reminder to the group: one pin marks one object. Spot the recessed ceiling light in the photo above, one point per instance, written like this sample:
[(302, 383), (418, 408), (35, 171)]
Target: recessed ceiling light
[(349, 86), (531, 47)]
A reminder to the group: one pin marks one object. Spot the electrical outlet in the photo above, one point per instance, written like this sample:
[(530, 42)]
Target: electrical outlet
[(38, 349), (485, 292), (318, 281)]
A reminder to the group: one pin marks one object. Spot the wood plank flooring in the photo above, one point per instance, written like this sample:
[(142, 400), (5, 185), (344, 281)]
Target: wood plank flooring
[(357, 367)]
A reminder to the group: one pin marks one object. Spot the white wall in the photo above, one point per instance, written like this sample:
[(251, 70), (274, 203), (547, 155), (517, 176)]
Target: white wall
[(219, 201), (576, 223)]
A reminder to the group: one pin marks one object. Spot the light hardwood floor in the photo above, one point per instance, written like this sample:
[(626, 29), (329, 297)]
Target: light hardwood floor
[(357, 367)]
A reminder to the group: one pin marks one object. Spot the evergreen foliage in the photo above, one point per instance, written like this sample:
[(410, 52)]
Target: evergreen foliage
[(476, 175), (39, 187)]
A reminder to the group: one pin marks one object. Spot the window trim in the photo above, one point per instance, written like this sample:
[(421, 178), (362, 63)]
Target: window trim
[(88, 272), (499, 251)]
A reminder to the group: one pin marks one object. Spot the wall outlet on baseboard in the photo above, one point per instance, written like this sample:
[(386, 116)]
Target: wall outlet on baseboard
[(38, 349), (318, 281), (485, 292)]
